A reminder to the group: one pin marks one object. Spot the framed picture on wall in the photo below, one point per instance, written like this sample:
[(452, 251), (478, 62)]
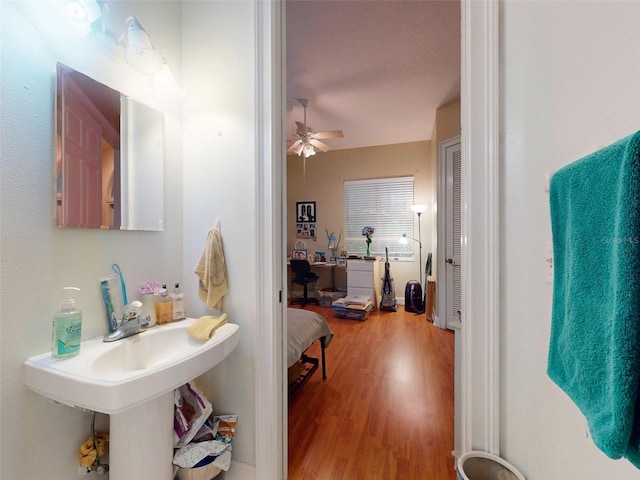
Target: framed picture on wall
[(306, 212), (306, 230)]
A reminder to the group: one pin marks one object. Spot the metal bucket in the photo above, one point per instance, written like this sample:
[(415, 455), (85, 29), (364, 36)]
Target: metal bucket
[(477, 465)]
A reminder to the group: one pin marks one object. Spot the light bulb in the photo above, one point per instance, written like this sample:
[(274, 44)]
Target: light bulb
[(76, 11), (308, 150), (419, 208)]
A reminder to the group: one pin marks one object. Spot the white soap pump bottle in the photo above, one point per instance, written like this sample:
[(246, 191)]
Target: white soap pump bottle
[(67, 328)]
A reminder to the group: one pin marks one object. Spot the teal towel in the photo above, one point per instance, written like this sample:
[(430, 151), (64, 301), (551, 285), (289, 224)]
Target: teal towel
[(594, 350)]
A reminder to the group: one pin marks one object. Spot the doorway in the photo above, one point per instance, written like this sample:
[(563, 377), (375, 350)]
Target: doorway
[(477, 411), (288, 205)]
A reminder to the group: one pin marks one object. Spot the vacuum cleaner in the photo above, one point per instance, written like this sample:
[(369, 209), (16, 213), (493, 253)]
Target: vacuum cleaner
[(414, 300), (388, 301)]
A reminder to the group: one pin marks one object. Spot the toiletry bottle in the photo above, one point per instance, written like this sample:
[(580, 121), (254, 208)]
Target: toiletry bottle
[(67, 328), (178, 303), (164, 308)]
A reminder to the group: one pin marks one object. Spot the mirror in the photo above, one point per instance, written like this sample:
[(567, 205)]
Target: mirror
[(109, 157)]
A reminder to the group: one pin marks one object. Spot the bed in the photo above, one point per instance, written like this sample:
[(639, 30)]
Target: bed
[(303, 329)]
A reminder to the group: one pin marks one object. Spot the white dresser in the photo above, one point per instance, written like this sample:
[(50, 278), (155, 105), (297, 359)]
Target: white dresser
[(363, 278)]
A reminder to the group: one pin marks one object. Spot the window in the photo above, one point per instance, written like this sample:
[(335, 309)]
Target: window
[(384, 204)]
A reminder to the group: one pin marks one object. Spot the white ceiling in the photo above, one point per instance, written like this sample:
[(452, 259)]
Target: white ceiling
[(378, 70)]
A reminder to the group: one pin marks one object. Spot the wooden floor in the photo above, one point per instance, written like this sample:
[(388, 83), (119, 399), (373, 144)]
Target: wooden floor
[(386, 409)]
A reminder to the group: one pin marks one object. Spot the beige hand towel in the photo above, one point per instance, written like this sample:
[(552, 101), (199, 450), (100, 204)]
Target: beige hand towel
[(205, 327), (212, 271)]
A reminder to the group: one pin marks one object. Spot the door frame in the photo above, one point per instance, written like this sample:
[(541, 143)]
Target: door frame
[(479, 422), (480, 115)]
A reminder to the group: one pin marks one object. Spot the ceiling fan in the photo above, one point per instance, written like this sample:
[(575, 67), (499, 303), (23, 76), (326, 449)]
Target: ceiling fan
[(308, 140)]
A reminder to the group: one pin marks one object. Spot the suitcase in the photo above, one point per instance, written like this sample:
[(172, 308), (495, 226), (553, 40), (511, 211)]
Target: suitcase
[(413, 301)]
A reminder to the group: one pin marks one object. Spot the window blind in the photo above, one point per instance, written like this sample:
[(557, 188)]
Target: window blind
[(384, 204)]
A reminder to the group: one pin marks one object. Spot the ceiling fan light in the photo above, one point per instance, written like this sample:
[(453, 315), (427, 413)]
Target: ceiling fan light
[(298, 149), (308, 150)]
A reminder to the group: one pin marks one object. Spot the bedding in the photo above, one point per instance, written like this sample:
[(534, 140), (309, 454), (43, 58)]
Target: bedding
[(303, 328)]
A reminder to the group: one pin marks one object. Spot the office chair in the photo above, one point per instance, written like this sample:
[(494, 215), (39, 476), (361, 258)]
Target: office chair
[(303, 276)]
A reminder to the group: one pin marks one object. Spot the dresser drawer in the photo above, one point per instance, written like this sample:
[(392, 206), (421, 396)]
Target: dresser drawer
[(365, 292), (360, 279), (360, 265)]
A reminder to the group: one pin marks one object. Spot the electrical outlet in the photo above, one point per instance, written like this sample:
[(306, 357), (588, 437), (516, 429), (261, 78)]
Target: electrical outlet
[(548, 260)]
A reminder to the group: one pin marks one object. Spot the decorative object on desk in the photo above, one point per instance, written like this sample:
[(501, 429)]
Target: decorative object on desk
[(368, 233), (334, 243), (298, 254)]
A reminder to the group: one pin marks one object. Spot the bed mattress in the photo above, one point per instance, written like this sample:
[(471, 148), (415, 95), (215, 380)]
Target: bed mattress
[(303, 328)]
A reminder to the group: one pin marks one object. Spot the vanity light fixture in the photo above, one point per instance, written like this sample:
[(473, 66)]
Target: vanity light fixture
[(138, 51), (134, 48), (80, 15)]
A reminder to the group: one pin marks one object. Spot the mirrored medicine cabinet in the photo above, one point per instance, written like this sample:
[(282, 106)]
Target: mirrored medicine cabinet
[(109, 157)]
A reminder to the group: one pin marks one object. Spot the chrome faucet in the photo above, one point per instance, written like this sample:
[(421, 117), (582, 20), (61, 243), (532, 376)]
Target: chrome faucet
[(132, 323)]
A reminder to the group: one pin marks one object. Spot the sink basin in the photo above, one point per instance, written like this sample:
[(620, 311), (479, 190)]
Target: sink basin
[(111, 377)]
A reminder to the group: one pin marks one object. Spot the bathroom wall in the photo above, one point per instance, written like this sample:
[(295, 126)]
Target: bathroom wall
[(569, 85), (220, 183), (40, 439)]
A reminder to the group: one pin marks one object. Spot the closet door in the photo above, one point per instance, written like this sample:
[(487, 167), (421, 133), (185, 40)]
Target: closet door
[(453, 244)]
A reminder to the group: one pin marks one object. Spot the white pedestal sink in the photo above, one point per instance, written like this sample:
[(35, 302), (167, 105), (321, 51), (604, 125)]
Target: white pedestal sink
[(132, 380)]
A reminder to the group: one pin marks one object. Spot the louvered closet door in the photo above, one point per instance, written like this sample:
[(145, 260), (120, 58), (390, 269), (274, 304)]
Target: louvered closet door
[(453, 248)]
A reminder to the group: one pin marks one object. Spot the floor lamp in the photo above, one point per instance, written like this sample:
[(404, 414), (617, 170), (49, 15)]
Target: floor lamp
[(418, 209)]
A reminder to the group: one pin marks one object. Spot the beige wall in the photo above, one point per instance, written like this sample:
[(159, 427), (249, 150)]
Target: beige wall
[(447, 122), (321, 181)]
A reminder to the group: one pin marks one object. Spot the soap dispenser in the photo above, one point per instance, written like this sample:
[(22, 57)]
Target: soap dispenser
[(67, 328), (178, 303)]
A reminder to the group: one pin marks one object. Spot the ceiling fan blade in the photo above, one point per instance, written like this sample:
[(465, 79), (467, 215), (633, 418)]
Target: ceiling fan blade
[(294, 146), (329, 134), (323, 147), (302, 128)]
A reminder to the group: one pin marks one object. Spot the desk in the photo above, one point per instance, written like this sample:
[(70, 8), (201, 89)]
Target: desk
[(331, 276)]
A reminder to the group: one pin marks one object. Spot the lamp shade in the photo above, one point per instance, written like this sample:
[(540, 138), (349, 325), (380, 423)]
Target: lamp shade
[(308, 150), (419, 208), (139, 53)]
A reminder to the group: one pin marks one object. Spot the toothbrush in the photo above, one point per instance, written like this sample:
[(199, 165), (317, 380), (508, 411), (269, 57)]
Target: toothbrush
[(116, 268), (108, 305)]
